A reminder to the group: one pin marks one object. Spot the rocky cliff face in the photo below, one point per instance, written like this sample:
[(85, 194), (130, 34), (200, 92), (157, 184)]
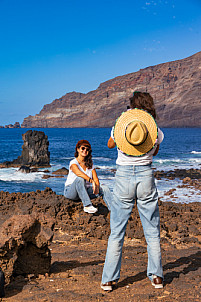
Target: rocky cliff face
[(175, 87)]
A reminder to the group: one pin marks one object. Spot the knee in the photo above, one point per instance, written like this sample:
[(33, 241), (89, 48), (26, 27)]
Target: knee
[(115, 244), (117, 237), (80, 180)]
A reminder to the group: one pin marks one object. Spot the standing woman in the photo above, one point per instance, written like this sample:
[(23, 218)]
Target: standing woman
[(137, 138), (82, 181)]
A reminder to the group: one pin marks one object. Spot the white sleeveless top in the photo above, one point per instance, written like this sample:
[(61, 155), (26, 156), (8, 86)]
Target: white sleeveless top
[(126, 160), (72, 176)]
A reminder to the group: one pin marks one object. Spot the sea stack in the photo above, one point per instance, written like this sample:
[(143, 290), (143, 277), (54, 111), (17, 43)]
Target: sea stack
[(34, 151)]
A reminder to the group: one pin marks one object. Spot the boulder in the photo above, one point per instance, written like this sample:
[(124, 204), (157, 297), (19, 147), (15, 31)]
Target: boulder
[(186, 180), (24, 169), (58, 173), (24, 247), (62, 171)]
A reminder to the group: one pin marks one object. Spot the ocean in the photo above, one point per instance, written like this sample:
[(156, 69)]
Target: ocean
[(181, 149)]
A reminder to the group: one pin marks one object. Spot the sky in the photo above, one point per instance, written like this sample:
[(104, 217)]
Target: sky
[(51, 47)]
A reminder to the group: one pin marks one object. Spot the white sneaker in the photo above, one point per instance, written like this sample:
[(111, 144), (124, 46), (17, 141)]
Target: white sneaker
[(107, 286), (90, 209), (157, 282)]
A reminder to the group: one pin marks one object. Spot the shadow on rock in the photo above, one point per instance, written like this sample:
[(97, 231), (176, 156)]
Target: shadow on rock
[(102, 210), (132, 279), (193, 261), (63, 266), (15, 286)]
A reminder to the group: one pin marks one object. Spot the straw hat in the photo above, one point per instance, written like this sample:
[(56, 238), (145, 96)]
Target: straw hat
[(135, 132)]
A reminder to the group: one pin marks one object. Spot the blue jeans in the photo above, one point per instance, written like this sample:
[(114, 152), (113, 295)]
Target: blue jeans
[(133, 183), (78, 190)]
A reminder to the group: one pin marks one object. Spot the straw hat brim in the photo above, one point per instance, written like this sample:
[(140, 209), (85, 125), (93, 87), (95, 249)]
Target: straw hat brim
[(119, 132)]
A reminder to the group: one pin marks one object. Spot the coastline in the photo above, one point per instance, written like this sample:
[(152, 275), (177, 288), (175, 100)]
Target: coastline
[(79, 240), (181, 155)]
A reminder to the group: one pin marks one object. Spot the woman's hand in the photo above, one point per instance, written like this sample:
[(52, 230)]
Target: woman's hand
[(95, 182), (95, 188)]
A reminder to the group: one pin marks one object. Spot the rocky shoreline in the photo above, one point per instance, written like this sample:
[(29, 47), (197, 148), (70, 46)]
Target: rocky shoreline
[(180, 223), (78, 245)]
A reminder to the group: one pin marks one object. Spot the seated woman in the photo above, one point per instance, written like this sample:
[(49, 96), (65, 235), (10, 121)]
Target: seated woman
[(82, 181)]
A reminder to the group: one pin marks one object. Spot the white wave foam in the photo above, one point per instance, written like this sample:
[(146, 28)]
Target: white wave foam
[(66, 158), (105, 167), (12, 174), (183, 195), (169, 164), (195, 160), (102, 158), (172, 160), (196, 152)]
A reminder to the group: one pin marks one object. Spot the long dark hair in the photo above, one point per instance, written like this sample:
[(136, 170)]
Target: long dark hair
[(88, 159), (143, 100)]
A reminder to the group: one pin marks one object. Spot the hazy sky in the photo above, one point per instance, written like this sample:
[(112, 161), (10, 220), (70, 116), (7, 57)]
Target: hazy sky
[(51, 47)]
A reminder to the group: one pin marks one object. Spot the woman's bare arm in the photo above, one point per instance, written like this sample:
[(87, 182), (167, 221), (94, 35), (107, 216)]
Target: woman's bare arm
[(156, 151), (111, 144), (78, 172)]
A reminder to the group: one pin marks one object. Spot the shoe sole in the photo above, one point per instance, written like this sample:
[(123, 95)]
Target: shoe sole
[(157, 285), (107, 288), (89, 212)]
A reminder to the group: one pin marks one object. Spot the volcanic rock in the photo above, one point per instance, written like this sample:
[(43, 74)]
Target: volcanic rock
[(24, 247), (24, 169), (58, 173), (175, 87), (62, 171), (68, 217), (46, 176), (34, 151)]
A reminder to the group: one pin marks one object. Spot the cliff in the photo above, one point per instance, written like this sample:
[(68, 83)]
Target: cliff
[(175, 87)]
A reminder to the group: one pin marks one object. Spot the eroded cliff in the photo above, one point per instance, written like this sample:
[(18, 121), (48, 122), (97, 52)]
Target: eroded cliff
[(175, 87)]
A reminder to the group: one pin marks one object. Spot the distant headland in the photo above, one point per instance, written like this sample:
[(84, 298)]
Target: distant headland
[(175, 87), (10, 126)]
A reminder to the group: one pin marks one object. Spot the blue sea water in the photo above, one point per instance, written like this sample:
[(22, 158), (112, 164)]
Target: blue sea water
[(181, 148)]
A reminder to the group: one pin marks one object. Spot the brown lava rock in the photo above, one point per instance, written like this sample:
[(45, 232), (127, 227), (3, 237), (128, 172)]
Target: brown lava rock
[(24, 247), (62, 171), (78, 255), (68, 216)]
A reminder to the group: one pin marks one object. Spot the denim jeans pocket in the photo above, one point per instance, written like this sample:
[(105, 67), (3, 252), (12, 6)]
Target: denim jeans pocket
[(121, 186), (147, 185)]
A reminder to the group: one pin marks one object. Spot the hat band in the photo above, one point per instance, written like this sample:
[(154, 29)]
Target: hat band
[(130, 142)]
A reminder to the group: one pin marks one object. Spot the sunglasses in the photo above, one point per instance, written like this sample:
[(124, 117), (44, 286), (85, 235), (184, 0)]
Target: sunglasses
[(84, 148)]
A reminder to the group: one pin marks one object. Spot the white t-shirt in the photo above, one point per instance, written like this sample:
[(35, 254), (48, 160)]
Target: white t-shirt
[(72, 176), (126, 160)]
